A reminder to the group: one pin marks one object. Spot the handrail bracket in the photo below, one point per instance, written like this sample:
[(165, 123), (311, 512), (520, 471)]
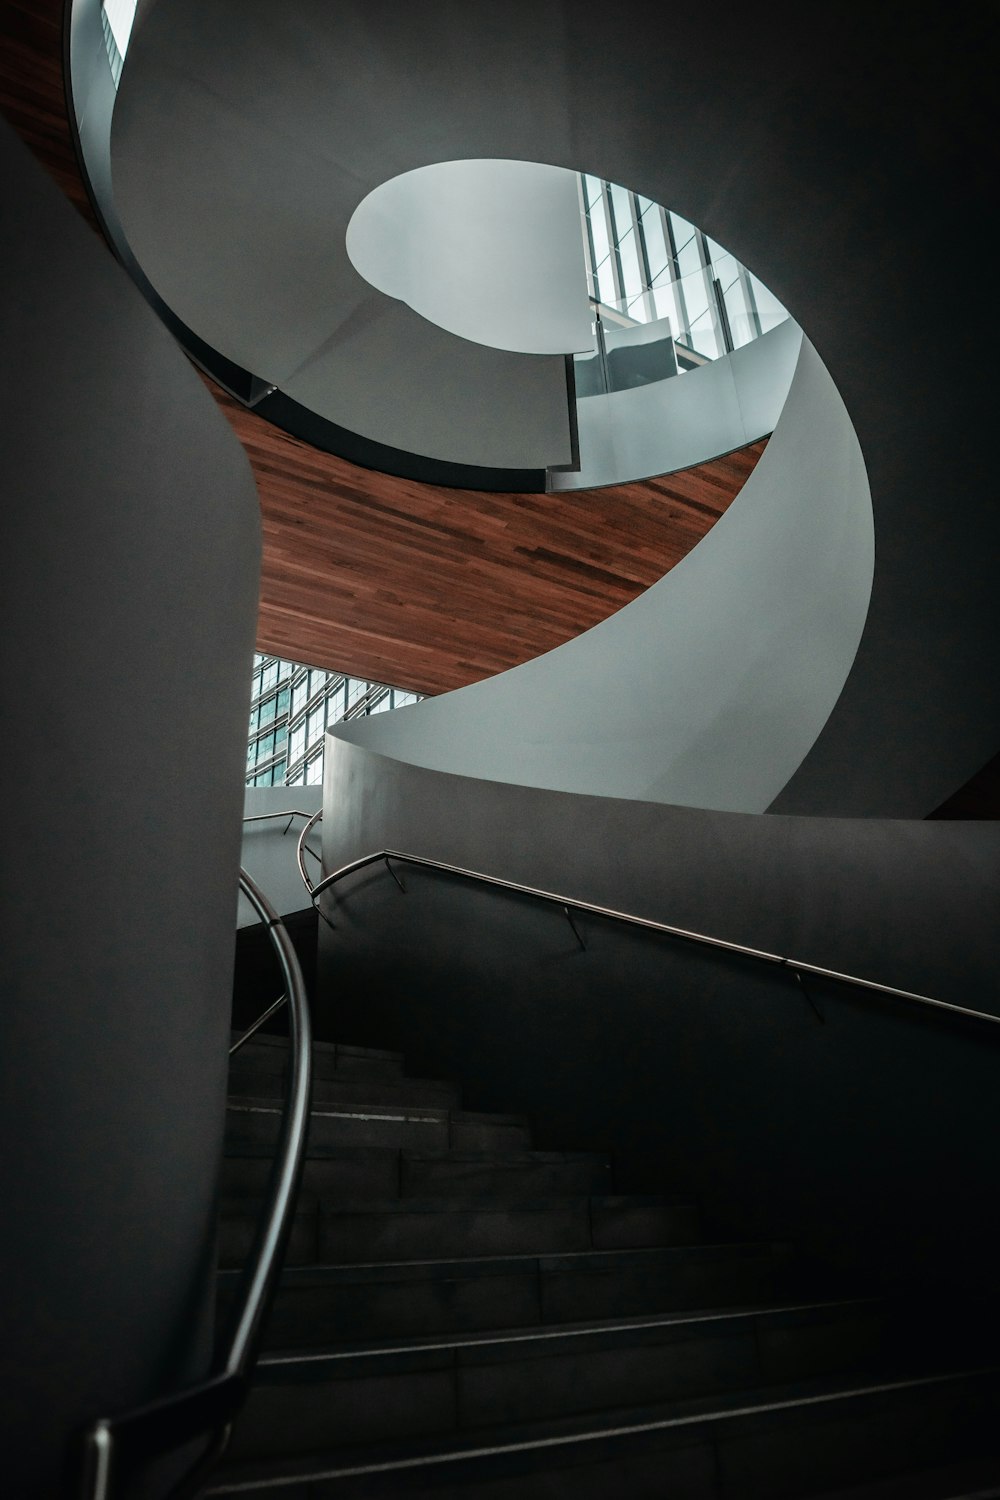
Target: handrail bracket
[(576, 930), (813, 1002)]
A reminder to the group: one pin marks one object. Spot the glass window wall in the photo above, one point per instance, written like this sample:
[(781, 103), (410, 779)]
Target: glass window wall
[(290, 723), (649, 264)]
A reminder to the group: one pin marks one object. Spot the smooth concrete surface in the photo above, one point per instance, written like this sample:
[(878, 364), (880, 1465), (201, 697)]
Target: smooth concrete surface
[(128, 605), (246, 242), (268, 853), (864, 1137), (676, 423), (490, 250), (711, 687), (817, 145)]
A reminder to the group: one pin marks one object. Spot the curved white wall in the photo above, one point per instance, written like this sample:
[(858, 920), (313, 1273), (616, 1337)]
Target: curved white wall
[(710, 688)]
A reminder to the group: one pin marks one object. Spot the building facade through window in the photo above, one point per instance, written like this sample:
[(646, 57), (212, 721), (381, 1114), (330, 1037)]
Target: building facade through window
[(291, 707)]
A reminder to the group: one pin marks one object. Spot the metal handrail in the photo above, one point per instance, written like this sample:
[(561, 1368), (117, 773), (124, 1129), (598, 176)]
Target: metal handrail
[(570, 905), (291, 813), (301, 850), (288, 812), (115, 1448)]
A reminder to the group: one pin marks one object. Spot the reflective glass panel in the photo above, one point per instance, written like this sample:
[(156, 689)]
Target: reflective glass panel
[(769, 309), (337, 702), (591, 189), (632, 278), (688, 255), (605, 279), (657, 250), (600, 233), (622, 209)]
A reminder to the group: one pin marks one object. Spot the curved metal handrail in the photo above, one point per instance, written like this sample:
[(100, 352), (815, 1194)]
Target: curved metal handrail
[(116, 1447), (570, 905), (302, 849)]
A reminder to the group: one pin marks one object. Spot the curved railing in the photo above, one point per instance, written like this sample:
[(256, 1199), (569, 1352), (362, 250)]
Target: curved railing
[(302, 849), (118, 1449), (570, 906)]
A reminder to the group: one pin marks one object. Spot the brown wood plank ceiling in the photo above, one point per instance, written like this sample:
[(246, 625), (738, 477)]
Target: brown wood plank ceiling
[(417, 585)]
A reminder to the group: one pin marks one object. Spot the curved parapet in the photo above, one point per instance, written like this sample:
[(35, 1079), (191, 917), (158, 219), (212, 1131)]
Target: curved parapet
[(674, 424), (707, 1072), (712, 686)]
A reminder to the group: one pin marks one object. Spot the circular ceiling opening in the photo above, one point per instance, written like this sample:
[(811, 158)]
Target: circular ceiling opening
[(490, 250)]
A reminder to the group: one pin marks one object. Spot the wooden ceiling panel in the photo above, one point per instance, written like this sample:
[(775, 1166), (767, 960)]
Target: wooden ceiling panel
[(418, 585), (430, 587)]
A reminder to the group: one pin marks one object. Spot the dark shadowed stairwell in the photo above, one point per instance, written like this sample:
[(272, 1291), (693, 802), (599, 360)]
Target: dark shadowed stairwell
[(461, 1315)]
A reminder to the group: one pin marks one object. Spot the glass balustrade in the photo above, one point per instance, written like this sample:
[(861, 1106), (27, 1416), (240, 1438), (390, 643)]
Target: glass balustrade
[(666, 298)]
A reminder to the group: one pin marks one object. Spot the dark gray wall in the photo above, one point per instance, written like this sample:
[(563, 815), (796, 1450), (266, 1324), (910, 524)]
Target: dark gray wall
[(846, 155), (870, 1140), (130, 547)]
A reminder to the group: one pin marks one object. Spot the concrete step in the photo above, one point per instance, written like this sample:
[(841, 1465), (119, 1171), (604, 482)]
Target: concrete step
[(436, 1229), (381, 1172), (316, 1305), (251, 1120), (250, 1081), (303, 1403), (504, 1175), (471, 1131), (269, 1054), (783, 1442)]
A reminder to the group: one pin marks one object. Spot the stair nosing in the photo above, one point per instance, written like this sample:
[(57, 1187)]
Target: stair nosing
[(441, 1204), (546, 1258), (511, 1156), (555, 1333), (590, 1433)]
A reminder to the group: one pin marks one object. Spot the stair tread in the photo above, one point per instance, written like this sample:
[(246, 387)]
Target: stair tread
[(375, 1108), (268, 1039), (686, 1416), (349, 1080), (596, 1331), (509, 1156), (489, 1265), (266, 1105), (454, 1204)]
